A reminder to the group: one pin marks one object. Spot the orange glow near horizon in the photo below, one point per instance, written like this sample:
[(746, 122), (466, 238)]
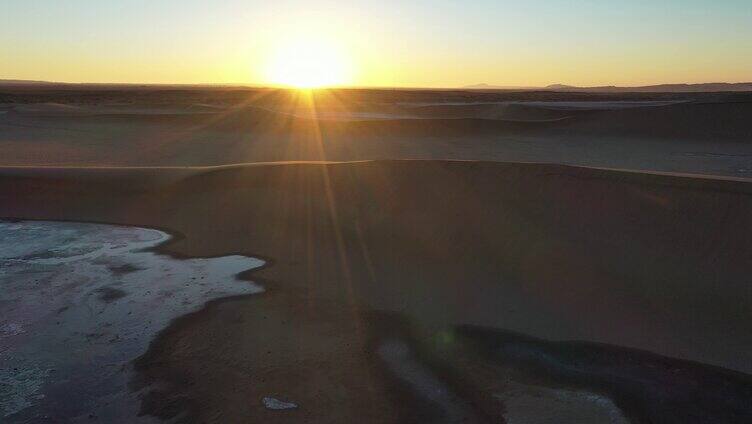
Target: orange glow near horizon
[(313, 44)]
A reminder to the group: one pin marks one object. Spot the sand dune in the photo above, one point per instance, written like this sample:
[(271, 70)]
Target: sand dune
[(509, 111), (407, 280), (708, 138), (651, 262)]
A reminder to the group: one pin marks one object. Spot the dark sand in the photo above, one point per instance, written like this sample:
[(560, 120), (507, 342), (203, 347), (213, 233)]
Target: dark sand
[(363, 253), (435, 290)]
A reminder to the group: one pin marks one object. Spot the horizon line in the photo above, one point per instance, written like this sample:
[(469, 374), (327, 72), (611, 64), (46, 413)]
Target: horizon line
[(477, 86)]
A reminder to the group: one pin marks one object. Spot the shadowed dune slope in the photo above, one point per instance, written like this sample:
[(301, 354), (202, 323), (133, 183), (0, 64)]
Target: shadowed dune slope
[(590, 236), (703, 121), (652, 262)]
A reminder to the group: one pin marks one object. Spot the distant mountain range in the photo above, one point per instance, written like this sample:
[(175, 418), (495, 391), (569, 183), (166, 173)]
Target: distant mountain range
[(75, 85), (663, 88), (25, 82), (15, 84)]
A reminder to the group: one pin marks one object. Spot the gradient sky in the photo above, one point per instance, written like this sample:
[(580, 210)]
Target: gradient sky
[(435, 43)]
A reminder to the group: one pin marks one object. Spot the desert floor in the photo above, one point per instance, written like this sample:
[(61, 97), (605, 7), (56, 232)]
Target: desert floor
[(429, 256)]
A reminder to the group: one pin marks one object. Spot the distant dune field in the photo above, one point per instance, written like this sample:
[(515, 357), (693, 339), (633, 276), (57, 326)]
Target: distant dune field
[(706, 134)]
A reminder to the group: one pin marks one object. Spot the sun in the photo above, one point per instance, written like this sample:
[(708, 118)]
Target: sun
[(308, 63)]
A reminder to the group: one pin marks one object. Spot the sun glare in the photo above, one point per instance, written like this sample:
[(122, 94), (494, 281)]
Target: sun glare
[(308, 64)]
